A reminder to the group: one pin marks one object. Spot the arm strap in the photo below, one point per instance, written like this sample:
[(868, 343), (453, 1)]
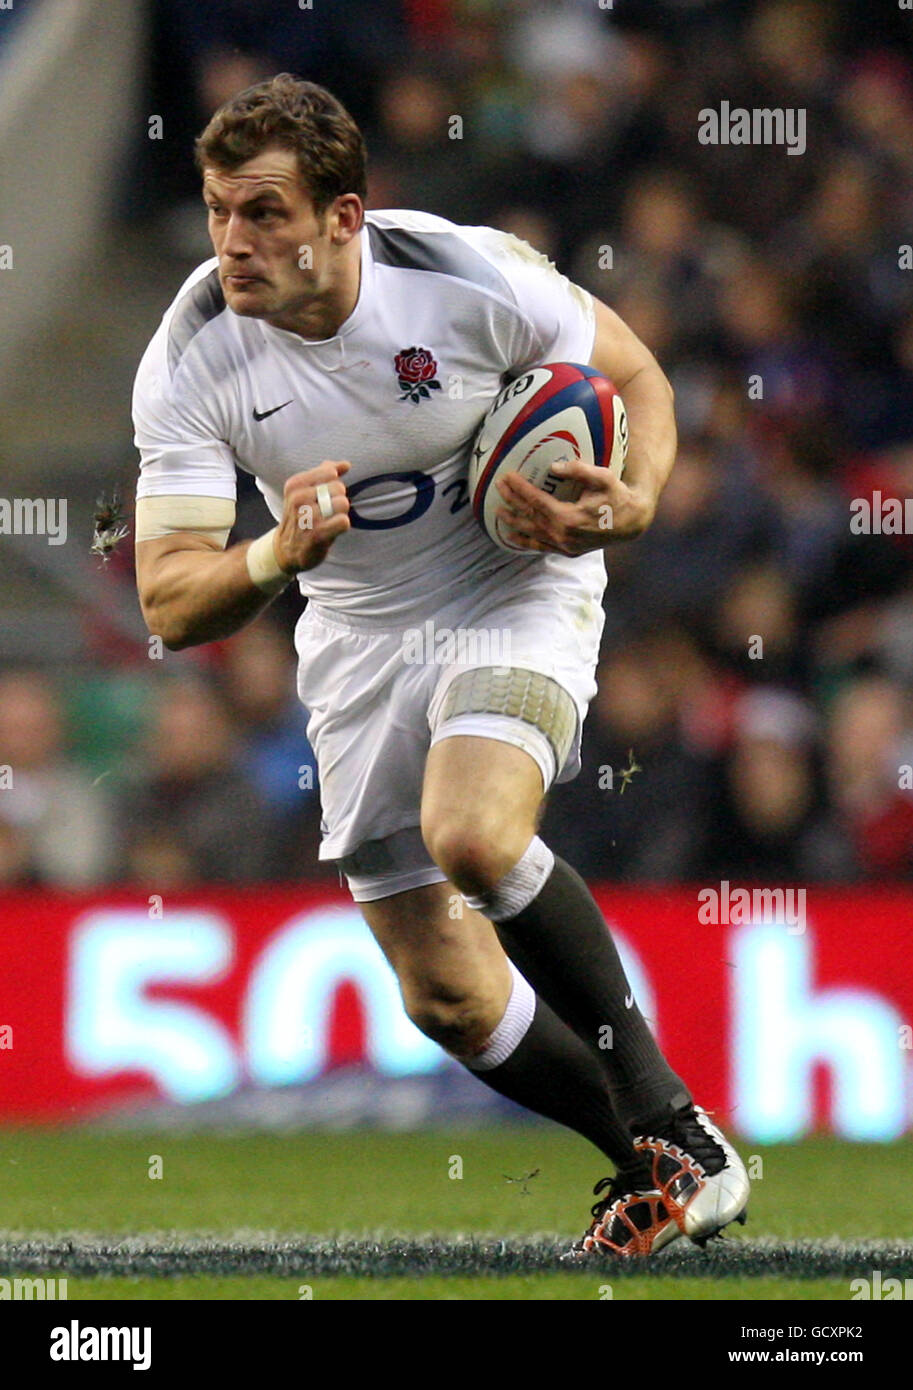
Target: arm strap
[(164, 516)]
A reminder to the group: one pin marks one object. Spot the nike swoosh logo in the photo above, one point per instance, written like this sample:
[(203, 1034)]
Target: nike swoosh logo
[(262, 414), (629, 1001)]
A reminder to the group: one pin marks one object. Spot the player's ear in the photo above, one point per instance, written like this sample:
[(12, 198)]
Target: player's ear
[(346, 216)]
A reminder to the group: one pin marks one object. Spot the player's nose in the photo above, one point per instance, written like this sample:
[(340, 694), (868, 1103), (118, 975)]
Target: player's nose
[(236, 241)]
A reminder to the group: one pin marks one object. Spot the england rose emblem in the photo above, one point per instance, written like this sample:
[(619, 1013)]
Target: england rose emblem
[(416, 370)]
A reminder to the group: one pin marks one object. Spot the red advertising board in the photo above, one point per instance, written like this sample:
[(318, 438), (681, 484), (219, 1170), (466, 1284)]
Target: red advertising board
[(782, 1016)]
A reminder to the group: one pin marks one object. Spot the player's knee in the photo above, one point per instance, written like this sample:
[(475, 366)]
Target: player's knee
[(459, 1021), (475, 853)]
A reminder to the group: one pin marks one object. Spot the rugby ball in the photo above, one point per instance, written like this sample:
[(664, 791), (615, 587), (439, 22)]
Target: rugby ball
[(557, 411)]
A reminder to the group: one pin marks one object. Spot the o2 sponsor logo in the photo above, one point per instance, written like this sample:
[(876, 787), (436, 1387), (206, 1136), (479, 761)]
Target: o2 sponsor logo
[(423, 493)]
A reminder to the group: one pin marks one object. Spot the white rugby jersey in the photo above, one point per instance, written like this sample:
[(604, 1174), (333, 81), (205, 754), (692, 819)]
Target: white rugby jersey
[(445, 316)]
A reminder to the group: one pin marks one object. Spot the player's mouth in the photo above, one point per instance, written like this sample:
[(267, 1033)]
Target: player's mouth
[(242, 282)]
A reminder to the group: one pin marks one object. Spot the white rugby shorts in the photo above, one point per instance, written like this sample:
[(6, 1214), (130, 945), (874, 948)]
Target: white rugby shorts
[(373, 692)]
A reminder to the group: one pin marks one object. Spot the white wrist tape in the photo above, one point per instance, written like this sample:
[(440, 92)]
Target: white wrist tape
[(263, 567)]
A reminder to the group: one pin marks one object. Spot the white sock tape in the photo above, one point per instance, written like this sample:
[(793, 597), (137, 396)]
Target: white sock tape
[(513, 1028), (518, 887)]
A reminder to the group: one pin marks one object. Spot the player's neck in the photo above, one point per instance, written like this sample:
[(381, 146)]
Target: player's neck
[(324, 315)]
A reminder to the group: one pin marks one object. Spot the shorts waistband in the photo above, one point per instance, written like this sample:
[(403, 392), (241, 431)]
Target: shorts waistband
[(327, 617)]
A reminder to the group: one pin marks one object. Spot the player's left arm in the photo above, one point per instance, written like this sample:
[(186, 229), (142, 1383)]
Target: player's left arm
[(609, 509)]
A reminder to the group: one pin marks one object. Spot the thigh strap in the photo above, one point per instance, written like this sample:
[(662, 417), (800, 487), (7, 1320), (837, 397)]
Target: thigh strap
[(527, 695)]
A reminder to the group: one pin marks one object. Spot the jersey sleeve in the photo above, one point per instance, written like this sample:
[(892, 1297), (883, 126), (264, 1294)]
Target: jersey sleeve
[(554, 319), (179, 438)]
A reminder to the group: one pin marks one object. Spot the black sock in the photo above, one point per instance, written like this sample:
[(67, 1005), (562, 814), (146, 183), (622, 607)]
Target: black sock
[(553, 1073), (562, 944)]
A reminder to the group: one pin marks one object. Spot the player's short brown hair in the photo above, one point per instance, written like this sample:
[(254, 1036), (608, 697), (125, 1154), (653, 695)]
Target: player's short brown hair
[(296, 115)]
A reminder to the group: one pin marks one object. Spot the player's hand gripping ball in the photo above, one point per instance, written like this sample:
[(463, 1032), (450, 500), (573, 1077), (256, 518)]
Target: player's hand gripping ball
[(557, 412)]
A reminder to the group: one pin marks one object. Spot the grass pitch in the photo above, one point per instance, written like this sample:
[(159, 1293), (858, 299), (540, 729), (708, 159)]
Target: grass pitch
[(430, 1216)]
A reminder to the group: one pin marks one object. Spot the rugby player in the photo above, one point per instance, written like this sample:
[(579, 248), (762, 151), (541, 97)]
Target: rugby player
[(345, 359)]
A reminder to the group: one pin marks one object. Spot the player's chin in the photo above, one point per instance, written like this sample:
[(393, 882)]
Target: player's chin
[(246, 296)]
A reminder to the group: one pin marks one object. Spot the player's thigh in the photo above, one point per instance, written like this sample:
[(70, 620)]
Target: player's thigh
[(481, 790), (439, 948)]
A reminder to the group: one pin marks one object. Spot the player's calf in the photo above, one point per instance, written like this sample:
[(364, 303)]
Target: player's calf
[(446, 967), (481, 796)]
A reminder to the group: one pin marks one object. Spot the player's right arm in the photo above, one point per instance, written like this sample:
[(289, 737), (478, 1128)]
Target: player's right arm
[(191, 590)]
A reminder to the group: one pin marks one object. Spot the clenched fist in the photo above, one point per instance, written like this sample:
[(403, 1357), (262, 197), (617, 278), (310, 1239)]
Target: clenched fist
[(308, 527)]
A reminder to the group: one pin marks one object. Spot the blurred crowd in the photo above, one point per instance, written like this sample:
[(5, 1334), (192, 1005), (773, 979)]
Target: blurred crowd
[(757, 671), (203, 774)]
